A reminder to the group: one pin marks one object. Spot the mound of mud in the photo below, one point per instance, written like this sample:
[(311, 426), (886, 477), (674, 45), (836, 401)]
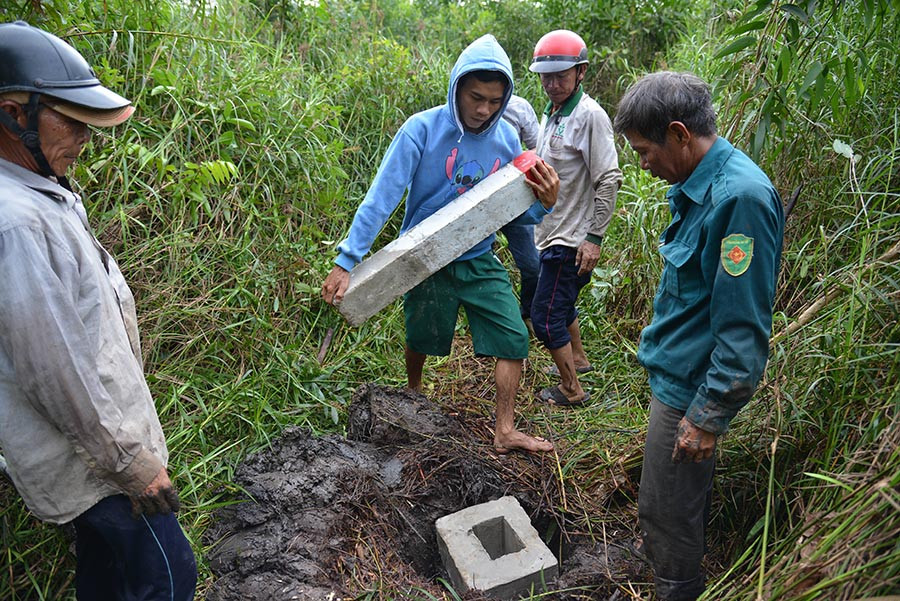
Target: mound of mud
[(328, 517)]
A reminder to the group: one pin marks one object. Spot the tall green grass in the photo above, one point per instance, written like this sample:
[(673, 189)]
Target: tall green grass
[(259, 127)]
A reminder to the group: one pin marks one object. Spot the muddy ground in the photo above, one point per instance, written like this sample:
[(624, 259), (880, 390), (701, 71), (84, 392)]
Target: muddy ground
[(330, 518)]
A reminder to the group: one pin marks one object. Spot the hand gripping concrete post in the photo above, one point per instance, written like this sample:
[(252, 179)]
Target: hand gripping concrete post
[(438, 240)]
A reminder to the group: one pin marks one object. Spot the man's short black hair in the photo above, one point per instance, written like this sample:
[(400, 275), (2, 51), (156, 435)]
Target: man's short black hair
[(658, 99), (485, 76)]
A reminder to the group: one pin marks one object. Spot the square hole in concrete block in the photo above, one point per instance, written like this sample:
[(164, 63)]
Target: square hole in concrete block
[(497, 537)]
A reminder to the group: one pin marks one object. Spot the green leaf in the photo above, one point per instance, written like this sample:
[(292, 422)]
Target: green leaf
[(818, 94), (751, 26), (226, 139), (783, 64), (829, 479), (736, 46), (842, 148), (241, 123), (811, 6), (157, 90), (851, 87), (868, 12), (758, 9), (797, 12), (759, 137), (815, 70)]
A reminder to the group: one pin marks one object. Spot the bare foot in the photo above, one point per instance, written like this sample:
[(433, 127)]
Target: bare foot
[(518, 441)]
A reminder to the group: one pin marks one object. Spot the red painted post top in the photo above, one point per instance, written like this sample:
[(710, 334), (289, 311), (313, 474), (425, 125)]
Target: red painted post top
[(526, 161)]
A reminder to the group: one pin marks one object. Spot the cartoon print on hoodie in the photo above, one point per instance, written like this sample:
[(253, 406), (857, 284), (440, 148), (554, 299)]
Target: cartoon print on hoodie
[(463, 178)]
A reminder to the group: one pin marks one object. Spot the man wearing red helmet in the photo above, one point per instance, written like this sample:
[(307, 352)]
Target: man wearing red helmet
[(77, 421), (576, 138)]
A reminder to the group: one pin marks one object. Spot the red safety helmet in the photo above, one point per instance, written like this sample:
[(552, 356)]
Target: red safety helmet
[(557, 51)]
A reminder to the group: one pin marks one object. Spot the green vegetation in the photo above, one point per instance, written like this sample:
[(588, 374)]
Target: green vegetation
[(259, 126)]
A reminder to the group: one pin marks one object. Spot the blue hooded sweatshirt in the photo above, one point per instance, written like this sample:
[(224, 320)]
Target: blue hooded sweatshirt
[(433, 159)]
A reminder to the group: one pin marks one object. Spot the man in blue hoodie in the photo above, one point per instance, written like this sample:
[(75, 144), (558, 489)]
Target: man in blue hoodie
[(437, 155)]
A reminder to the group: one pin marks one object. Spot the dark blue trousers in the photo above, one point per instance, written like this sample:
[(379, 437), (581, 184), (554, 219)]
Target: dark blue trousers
[(121, 558), (520, 241), (553, 309)]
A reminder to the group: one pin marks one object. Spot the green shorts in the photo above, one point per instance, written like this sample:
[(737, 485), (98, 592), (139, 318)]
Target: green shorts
[(481, 285)]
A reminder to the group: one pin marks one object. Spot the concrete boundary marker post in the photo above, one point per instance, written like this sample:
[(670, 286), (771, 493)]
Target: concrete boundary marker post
[(438, 240)]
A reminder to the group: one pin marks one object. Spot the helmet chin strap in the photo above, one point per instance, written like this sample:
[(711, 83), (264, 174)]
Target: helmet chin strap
[(577, 82), (31, 139)]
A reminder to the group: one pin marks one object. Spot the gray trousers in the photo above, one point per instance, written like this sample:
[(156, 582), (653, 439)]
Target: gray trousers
[(673, 508)]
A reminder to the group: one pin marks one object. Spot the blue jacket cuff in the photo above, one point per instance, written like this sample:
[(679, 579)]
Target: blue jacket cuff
[(345, 262), (709, 415)]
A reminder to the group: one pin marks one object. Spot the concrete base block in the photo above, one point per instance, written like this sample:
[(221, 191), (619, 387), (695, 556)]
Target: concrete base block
[(438, 240), (493, 547)]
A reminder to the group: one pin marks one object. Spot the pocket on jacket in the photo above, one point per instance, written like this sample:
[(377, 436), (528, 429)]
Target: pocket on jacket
[(682, 274)]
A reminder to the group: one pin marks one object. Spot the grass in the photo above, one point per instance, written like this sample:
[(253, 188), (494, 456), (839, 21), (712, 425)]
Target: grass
[(258, 129)]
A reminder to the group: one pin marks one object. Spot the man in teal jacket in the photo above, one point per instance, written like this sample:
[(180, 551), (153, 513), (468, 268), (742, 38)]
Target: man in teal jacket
[(707, 345), (437, 155)]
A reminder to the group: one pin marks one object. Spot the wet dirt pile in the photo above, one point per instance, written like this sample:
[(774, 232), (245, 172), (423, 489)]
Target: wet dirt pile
[(329, 517)]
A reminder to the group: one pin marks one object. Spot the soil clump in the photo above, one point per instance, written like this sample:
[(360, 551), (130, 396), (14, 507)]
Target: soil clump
[(329, 518)]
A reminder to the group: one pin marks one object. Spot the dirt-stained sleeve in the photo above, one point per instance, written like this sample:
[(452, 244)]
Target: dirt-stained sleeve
[(54, 357), (603, 162)]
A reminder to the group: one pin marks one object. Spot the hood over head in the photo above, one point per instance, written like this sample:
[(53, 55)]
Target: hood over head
[(484, 54)]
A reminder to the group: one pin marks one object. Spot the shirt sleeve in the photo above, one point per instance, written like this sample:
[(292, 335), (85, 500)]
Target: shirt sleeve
[(741, 259), (54, 357), (534, 214), (530, 126), (384, 195), (600, 155)]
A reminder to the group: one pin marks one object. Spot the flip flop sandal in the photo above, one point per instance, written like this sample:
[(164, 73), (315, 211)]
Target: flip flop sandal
[(554, 396), (554, 371)]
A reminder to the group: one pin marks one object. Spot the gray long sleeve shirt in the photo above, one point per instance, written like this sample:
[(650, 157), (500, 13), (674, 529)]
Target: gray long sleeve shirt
[(520, 114), (578, 141), (77, 422)]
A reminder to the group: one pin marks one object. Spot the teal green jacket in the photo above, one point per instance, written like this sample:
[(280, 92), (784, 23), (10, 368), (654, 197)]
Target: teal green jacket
[(707, 345)]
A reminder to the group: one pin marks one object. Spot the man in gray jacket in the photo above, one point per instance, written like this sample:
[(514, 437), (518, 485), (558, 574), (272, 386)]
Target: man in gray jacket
[(78, 426)]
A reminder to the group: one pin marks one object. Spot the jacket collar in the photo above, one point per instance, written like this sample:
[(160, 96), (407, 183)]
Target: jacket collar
[(566, 109), (701, 178), (39, 183)]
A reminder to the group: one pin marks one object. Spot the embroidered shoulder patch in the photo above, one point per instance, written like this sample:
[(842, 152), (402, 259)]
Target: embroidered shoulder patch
[(737, 252)]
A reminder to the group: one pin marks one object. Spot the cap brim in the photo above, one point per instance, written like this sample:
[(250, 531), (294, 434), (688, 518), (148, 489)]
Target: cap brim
[(93, 117), (550, 66), (95, 97), (82, 114)]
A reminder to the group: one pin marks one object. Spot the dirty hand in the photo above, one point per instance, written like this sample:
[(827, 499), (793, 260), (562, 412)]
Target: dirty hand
[(335, 285), (586, 257), (159, 497), (692, 444), (544, 182)]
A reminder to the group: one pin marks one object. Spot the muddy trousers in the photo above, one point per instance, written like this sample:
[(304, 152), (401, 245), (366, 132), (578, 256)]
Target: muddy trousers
[(673, 508), (122, 558)]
